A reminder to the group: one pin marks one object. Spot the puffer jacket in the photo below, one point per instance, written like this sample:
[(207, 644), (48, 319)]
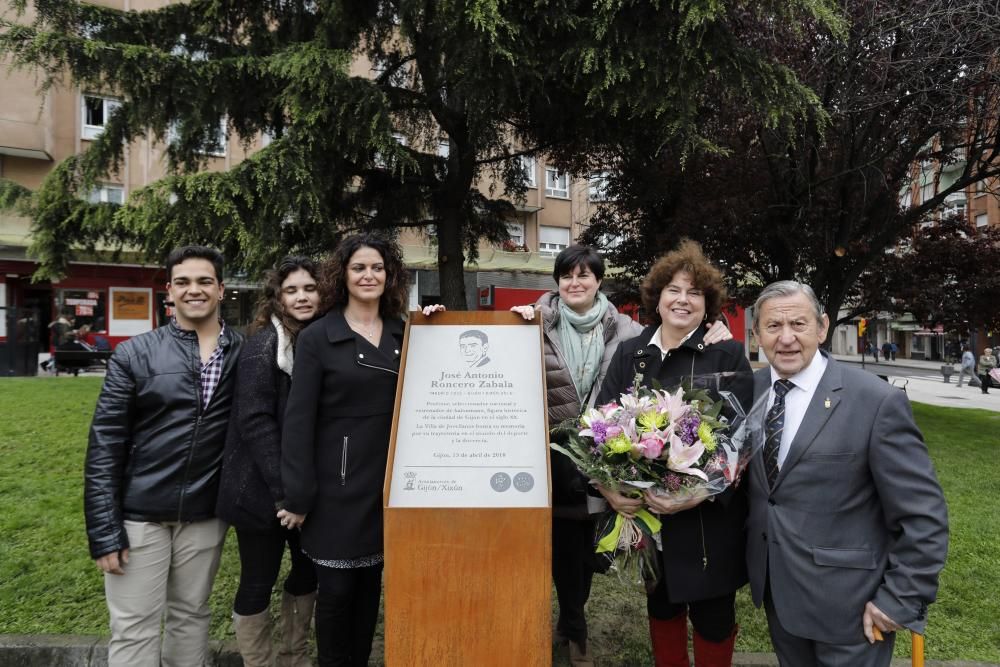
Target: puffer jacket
[(569, 487), (154, 452)]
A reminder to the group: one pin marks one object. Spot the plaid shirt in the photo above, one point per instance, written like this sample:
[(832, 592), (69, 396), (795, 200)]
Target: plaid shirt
[(211, 372)]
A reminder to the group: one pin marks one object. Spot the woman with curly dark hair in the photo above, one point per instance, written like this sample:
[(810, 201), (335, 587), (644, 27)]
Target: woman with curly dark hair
[(335, 440), (702, 562), (250, 491)]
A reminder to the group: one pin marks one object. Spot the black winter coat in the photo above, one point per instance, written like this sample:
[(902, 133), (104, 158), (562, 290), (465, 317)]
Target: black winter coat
[(703, 547), (250, 491), (335, 439), (154, 452)]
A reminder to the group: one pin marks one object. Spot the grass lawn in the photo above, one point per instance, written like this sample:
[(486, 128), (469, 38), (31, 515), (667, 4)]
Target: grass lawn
[(48, 584)]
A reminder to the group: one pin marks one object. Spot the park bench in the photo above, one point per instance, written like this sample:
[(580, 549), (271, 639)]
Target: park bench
[(73, 361)]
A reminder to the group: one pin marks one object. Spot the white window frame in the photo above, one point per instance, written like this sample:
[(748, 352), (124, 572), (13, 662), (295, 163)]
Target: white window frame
[(444, 148), (597, 186), (102, 194), (109, 104), (222, 140), (380, 159), (982, 220), (516, 231), (924, 189), (548, 244), (172, 135), (529, 167), (907, 200), (553, 180)]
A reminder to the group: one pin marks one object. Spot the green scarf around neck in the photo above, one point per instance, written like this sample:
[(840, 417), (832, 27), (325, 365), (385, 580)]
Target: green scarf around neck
[(582, 338)]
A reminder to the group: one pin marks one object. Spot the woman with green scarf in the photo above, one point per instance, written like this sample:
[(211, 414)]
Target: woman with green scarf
[(582, 330)]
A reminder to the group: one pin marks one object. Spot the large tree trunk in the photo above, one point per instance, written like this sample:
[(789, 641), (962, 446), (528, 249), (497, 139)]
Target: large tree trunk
[(451, 261)]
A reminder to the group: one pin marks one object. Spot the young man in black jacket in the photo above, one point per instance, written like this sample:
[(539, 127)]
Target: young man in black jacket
[(152, 470)]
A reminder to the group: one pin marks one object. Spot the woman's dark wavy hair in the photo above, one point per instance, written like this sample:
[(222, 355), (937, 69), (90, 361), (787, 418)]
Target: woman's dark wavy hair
[(269, 302), (333, 274), (687, 257)]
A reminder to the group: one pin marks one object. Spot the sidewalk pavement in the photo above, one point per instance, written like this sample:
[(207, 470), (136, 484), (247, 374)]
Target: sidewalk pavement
[(86, 651), (927, 385)]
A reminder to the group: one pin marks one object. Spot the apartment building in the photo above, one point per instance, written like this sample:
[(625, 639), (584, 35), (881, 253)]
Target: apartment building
[(124, 298)]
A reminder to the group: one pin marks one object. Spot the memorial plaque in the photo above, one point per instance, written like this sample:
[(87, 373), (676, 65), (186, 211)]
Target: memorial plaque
[(468, 518), (471, 418)]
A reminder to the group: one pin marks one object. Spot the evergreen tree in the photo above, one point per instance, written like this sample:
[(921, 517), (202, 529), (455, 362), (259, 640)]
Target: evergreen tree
[(484, 78)]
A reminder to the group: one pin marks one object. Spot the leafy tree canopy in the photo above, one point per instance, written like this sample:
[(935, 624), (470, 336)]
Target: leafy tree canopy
[(947, 277), (487, 79), (908, 97)]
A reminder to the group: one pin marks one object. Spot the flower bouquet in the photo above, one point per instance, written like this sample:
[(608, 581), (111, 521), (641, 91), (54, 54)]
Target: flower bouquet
[(680, 443)]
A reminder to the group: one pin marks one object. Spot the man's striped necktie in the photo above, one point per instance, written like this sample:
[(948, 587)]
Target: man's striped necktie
[(774, 424)]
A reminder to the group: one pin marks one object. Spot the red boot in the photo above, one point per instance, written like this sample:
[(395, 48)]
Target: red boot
[(714, 654), (670, 641)]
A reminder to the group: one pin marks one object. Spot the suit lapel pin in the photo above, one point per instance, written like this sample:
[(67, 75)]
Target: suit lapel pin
[(826, 403)]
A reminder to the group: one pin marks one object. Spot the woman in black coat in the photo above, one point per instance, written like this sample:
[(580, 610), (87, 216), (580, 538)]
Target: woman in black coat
[(336, 438), (702, 562), (250, 490)]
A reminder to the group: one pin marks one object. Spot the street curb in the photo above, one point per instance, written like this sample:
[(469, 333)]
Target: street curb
[(85, 651), (89, 651)]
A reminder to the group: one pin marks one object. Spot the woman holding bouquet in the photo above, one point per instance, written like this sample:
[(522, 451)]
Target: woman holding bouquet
[(250, 490), (336, 438), (581, 330), (702, 562)]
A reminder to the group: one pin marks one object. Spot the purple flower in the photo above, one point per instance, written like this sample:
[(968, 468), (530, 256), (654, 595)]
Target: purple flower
[(687, 429), (672, 482), (600, 430)]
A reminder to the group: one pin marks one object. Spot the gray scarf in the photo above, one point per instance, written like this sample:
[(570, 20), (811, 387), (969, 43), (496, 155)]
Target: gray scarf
[(582, 338)]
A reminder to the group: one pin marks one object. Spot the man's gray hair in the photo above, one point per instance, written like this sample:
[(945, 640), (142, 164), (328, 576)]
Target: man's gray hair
[(784, 288)]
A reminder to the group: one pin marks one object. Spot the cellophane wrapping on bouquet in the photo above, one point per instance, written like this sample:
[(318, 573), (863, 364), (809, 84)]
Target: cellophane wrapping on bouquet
[(687, 441)]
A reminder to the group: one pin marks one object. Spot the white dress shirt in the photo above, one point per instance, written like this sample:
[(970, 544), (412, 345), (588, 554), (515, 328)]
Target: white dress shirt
[(797, 400), (657, 342)]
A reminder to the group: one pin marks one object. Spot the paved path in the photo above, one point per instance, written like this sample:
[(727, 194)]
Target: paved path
[(925, 384)]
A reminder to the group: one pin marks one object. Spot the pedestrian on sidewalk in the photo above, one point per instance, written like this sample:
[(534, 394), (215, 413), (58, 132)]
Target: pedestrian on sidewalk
[(987, 362), (968, 366), (894, 349), (886, 351)]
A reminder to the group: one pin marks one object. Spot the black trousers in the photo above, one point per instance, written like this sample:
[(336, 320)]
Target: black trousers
[(572, 542), (260, 563), (713, 619), (346, 614)]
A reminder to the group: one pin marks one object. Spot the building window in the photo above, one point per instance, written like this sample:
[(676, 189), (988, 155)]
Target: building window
[(598, 186), (981, 187), (107, 194), (982, 220), (527, 163), (96, 112), (380, 161), (907, 200), (444, 148), (552, 240), (214, 145), (88, 306), (516, 231), (556, 183), (927, 192)]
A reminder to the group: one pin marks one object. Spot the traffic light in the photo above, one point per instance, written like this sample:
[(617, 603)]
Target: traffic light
[(862, 326)]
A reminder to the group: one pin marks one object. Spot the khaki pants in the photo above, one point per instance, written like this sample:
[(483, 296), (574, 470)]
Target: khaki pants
[(169, 576)]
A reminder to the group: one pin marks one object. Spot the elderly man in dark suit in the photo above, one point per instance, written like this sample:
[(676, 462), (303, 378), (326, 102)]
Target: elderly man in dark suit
[(848, 528)]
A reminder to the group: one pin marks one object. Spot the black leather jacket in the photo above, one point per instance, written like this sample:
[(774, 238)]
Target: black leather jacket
[(154, 452)]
